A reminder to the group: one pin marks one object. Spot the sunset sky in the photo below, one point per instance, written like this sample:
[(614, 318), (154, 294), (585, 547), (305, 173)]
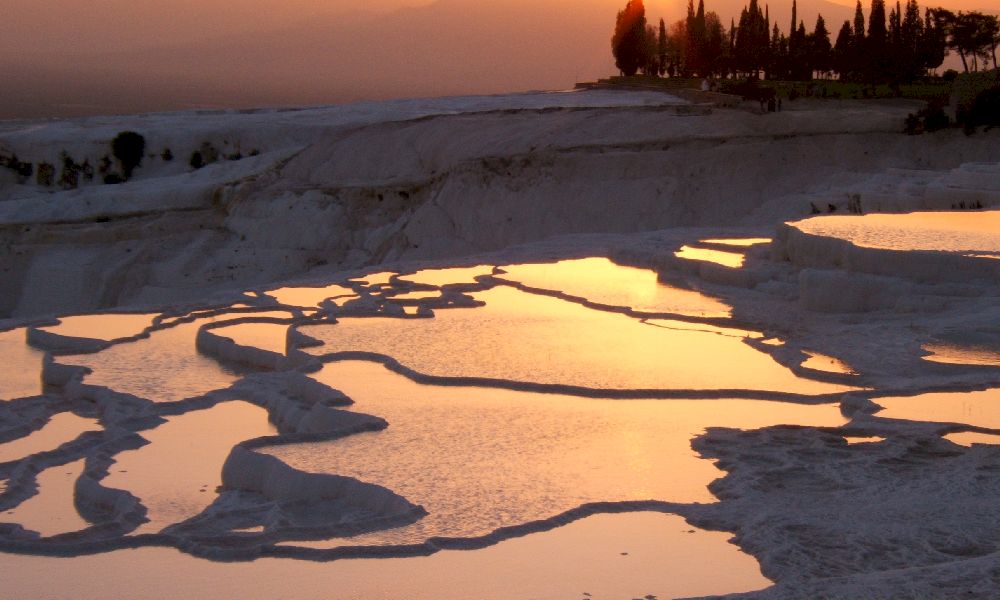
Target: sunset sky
[(86, 56)]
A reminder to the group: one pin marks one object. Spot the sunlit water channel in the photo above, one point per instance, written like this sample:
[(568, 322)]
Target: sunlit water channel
[(20, 369), (602, 281), (966, 232), (525, 337), (476, 458), (177, 474)]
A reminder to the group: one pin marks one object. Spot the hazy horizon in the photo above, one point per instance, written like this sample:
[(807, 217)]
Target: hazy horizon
[(74, 58)]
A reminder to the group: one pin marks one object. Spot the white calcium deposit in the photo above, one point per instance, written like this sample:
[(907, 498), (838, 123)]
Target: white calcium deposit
[(550, 309)]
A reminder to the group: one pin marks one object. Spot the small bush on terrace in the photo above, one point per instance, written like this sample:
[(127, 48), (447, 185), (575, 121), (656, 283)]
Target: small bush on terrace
[(128, 147)]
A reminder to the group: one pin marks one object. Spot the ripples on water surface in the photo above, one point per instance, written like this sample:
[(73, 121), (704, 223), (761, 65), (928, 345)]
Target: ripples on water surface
[(968, 232), (478, 459), (525, 337), (602, 281)]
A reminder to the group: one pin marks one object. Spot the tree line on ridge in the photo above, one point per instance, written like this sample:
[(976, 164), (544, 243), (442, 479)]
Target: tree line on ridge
[(900, 47)]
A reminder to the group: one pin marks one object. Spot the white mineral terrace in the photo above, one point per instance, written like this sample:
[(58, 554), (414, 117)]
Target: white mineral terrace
[(476, 449), (504, 348), (971, 232)]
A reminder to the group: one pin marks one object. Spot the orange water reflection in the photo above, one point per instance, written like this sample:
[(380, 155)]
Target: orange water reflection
[(21, 367), (962, 231), (829, 364), (61, 428), (527, 337), (961, 355), (165, 367), (417, 295), (478, 459), (441, 277), (733, 260), (176, 475), (972, 408), (51, 511), (604, 282), (103, 326), (871, 439), (968, 438), (266, 336), (309, 296), (666, 558), (376, 278), (737, 241)]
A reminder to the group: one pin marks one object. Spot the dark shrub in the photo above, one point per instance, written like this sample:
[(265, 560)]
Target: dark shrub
[(167, 155), (46, 174), (949, 75), (25, 169), (209, 153), (128, 147), (113, 179), (69, 177), (87, 170), (197, 161), (934, 118), (985, 110)]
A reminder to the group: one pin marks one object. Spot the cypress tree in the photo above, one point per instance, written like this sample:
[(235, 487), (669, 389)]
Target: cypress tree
[(911, 33), (778, 66), (791, 30), (859, 23), (715, 43), (628, 42), (698, 42), (876, 60), (842, 51), (798, 54), (933, 43), (661, 48), (876, 25), (820, 58)]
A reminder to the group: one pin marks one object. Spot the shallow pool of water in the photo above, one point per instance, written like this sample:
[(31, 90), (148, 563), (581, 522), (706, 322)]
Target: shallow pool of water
[(375, 279), (310, 296), (441, 277), (967, 232), (165, 367), (968, 438), (981, 409), (61, 428), (739, 242), (624, 556), (20, 369), (478, 459), (829, 364), (108, 326), (266, 336), (422, 295), (962, 355), (51, 511), (177, 473), (526, 337), (733, 260), (604, 282)]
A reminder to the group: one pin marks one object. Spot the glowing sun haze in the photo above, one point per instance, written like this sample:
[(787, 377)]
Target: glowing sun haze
[(75, 57)]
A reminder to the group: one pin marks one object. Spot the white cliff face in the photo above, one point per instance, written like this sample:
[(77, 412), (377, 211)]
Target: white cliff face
[(347, 187), (510, 315)]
